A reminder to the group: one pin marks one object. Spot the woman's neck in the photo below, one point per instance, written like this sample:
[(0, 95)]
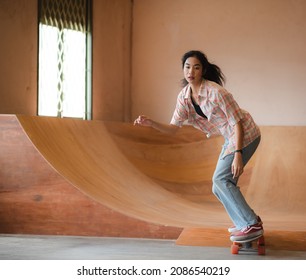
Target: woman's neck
[(195, 90)]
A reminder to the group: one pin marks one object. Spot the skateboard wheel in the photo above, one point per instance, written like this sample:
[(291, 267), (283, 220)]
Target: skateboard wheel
[(261, 250), (261, 241), (261, 246), (235, 249)]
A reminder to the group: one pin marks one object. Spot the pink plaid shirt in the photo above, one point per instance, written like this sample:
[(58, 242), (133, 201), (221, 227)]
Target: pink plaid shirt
[(222, 113)]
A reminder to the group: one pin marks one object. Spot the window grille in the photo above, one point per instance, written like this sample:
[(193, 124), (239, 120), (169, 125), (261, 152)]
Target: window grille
[(65, 58)]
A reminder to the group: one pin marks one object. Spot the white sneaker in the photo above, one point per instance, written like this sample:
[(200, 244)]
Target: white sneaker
[(232, 229)]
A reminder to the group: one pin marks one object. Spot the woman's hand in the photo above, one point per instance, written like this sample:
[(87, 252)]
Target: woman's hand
[(164, 128), (237, 165), (143, 121)]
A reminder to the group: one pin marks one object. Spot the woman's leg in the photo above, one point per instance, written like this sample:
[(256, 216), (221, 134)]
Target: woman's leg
[(226, 190)]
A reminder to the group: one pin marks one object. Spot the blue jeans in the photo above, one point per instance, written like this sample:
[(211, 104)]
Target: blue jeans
[(225, 187)]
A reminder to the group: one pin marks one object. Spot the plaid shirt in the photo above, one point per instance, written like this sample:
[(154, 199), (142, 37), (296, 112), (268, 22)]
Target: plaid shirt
[(222, 113)]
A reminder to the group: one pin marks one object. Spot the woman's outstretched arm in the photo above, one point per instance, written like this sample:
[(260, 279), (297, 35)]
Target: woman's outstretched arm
[(164, 128)]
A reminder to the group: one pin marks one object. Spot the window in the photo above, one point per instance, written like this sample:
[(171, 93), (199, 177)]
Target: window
[(64, 75)]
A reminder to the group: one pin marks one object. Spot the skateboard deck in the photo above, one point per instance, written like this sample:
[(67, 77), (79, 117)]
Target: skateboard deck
[(253, 245)]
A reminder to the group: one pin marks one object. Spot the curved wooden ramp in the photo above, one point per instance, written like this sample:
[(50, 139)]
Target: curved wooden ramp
[(36, 199), (166, 180), (274, 181), (85, 153)]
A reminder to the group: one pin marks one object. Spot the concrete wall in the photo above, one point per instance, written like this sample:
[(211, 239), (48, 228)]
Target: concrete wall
[(259, 45)]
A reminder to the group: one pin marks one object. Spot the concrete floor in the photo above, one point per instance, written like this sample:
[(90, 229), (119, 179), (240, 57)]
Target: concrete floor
[(30, 247)]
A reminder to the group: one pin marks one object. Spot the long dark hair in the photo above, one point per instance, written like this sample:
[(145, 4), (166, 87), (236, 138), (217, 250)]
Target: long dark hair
[(210, 71)]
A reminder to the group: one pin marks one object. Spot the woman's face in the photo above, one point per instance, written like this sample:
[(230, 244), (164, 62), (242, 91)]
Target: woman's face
[(193, 71)]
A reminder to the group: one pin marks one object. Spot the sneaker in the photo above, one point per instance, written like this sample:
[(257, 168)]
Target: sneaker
[(234, 228), (247, 233), (259, 221)]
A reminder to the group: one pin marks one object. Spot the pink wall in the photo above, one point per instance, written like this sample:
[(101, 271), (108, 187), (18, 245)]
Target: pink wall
[(259, 45)]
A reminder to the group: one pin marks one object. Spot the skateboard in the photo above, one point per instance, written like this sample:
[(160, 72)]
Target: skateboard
[(254, 245)]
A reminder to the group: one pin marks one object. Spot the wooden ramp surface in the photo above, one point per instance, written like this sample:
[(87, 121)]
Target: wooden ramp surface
[(166, 180)]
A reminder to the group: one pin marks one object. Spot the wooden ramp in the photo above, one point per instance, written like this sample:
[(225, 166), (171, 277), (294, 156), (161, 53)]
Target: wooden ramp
[(163, 180)]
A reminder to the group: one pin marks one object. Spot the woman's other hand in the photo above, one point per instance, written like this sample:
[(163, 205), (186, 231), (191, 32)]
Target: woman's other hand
[(237, 165)]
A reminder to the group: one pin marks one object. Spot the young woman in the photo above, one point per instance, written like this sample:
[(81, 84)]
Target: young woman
[(206, 105)]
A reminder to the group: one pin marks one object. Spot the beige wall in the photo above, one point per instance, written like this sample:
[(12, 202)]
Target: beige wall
[(18, 57), (260, 46), (111, 58)]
